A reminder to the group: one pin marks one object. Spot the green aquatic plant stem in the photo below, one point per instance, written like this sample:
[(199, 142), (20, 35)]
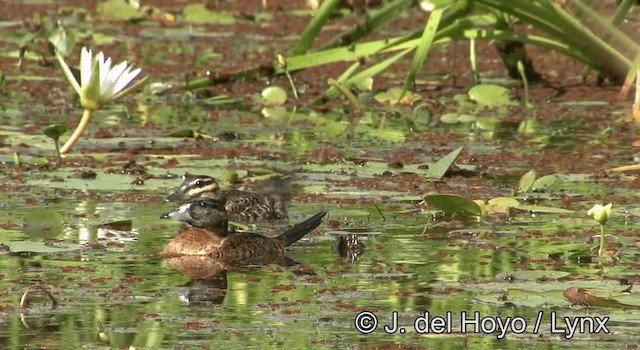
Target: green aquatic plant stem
[(353, 100), (310, 33), (601, 248), (86, 118)]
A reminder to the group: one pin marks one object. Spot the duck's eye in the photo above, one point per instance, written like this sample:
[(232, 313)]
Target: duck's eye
[(198, 183)]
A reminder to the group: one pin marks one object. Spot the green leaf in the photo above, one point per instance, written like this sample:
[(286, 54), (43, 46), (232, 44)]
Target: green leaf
[(396, 95), (544, 209), (40, 247), (501, 205), (320, 17), (274, 96), (452, 204), (116, 10), (422, 50), (437, 170), (275, 112), (43, 223), (63, 41), (199, 14), (526, 181), (543, 182), (54, 131), (490, 95)]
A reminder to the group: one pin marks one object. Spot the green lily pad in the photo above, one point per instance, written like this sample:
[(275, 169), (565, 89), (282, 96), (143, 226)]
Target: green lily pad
[(455, 118), (501, 205), (43, 223), (533, 275), (116, 10), (452, 204), (544, 209), (274, 112), (39, 247), (490, 95), (543, 182), (392, 97), (199, 14), (274, 96)]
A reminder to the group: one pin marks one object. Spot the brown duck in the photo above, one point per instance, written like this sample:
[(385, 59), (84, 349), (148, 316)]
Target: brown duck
[(241, 206), (208, 234)]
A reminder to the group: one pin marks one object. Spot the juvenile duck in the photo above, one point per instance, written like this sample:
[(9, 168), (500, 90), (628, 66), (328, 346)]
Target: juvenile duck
[(209, 235), (241, 206)]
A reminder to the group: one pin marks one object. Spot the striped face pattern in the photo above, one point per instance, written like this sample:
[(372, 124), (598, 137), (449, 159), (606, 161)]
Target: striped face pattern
[(199, 186)]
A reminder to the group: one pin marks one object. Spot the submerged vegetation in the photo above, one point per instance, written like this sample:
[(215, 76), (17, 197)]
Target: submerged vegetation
[(458, 146)]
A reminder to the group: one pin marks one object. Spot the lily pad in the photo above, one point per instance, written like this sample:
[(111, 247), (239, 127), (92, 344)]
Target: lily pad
[(543, 182), (490, 95), (544, 209), (274, 96), (116, 10), (199, 14), (452, 204), (44, 223), (394, 96), (39, 247), (533, 275), (501, 205)]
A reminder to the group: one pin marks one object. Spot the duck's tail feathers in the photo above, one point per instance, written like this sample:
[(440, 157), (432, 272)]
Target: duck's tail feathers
[(298, 231)]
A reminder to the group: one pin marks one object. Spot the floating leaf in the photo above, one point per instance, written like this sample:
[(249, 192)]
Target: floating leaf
[(490, 95), (454, 118), (526, 181), (437, 170), (274, 95), (39, 247), (392, 97), (275, 112), (543, 183), (501, 205), (452, 204), (54, 131), (118, 10), (199, 14), (43, 223), (533, 275), (544, 209)]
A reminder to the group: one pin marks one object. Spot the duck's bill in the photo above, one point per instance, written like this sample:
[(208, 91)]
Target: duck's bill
[(181, 214)]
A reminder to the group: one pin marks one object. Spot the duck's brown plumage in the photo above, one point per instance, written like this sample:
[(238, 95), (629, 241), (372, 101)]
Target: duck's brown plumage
[(241, 206), (209, 235)]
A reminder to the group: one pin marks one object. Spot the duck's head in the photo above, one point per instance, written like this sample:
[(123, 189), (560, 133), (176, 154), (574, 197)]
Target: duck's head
[(202, 213), (195, 186)]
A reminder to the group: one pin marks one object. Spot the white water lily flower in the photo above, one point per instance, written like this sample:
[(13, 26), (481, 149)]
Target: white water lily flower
[(99, 82), (600, 213)]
